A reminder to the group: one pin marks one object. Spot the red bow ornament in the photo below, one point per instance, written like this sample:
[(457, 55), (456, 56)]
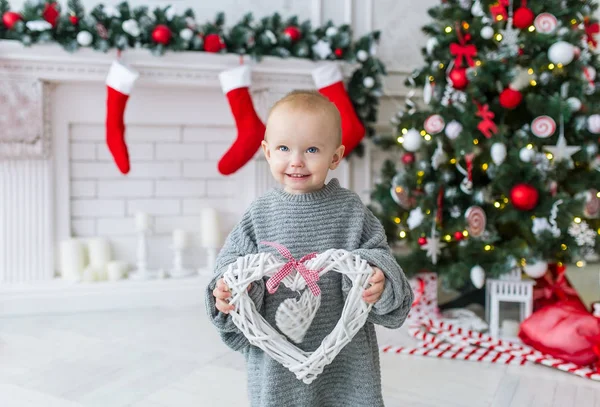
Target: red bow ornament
[(311, 276), (486, 126)]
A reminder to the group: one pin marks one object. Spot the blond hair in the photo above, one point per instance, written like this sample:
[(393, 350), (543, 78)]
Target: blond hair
[(311, 101)]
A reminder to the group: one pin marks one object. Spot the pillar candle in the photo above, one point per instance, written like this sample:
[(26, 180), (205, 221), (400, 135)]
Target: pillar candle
[(510, 328), (142, 221), (211, 232), (99, 252), (71, 259), (116, 270), (180, 239)]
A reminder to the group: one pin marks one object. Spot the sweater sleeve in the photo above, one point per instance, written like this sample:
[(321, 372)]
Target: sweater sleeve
[(240, 242), (392, 308)]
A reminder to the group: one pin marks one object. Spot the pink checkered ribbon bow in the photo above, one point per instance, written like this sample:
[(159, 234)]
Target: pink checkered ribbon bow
[(311, 276)]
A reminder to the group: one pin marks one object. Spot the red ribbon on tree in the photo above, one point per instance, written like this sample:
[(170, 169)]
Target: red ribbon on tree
[(486, 126), (466, 51), (440, 206), (590, 30)]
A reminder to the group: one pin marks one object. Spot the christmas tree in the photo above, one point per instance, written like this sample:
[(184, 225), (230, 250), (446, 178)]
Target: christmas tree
[(498, 169)]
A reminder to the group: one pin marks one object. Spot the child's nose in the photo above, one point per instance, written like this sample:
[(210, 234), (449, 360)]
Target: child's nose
[(297, 161)]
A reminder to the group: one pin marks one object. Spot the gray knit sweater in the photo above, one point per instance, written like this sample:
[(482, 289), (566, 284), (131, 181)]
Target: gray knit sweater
[(332, 217)]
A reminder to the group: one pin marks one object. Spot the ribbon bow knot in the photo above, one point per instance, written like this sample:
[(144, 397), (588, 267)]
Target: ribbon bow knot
[(466, 51), (310, 276)]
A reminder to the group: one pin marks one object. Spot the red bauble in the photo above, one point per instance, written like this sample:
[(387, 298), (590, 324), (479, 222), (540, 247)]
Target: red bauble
[(524, 197), (74, 20), (458, 76), (523, 18), (10, 18), (339, 52), (213, 43), (293, 33), (51, 13), (422, 241), (161, 34), (408, 158), (510, 98), (458, 235)]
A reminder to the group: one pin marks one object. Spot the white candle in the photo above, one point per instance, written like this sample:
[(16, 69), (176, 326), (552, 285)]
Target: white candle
[(71, 259), (180, 239), (116, 270), (142, 221), (99, 252), (510, 328), (211, 232)]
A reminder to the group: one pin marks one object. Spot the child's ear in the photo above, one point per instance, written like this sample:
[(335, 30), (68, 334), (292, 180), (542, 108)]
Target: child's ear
[(337, 157), (265, 148)]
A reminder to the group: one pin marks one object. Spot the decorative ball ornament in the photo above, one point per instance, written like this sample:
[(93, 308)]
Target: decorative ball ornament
[(537, 269), (10, 18), (458, 235), (574, 104), (545, 23), (432, 43), (524, 197), (526, 154), (408, 158), (453, 130), (84, 38), (412, 140), (368, 82), (434, 124), (186, 34), (293, 33), (487, 32), (543, 126), (498, 153), (477, 275), (362, 55), (422, 241), (476, 220), (131, 27), (510, 98), (592, 204), (458, 77), (74, 19), (593, 124), (523, 18), (331, 31), (339, 52), (561, 52), (161, 34), (589, 73), (213, 43)]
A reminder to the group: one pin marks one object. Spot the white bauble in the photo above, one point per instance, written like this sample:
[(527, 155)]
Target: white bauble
[(561, 52), (84, 38), (427, 92), (574, 104), (331, 31), (186, 34), (589, 73), (368, 82), (362, 55), (453, 130), (593, 124), (478, 276), (487, 32), (537, 269), (498, 152), (412, 140), (477, 10), (431, 44), (526, 154), (131, 27)]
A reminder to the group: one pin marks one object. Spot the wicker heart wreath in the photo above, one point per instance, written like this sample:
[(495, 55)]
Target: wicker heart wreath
[(296, 275)]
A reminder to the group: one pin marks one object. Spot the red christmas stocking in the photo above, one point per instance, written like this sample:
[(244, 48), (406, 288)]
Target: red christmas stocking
[(251, 130), (328, 80), (119, 83)]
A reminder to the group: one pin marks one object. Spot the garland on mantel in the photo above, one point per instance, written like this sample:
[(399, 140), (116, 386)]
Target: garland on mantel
[(123, 27)]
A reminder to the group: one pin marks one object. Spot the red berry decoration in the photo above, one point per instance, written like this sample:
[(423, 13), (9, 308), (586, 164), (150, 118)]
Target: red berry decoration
[(161, 34), (422, 241), (524, 197), (408, 158), (293, 33), (458, 235), (10, 18), (523, 18), (339, 52), (51, 13), (458, 76), (74, 19), (510, 98), (213, 43)]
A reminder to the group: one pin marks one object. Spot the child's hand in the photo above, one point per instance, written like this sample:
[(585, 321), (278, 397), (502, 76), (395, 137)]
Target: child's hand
[(221, 293), (372, 294)]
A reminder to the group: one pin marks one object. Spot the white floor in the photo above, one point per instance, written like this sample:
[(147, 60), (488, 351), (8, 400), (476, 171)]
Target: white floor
[(173, 358)]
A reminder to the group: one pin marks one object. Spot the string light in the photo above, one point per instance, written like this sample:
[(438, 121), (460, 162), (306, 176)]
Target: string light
[(505, 200), (551, 66), (577, 220), (397, 220), (529, 146), (402, 234), (453, 161), (465, 25), (598, 194), (431, 78), (488, 247), (484, 166), (423, 132), (599, 231), (441, 65), (533, 82), (466, 233), (421, 173), (447, 238), (499, 37), (580, 263), (563, 246), (573, 21), (559, 66), (549, 156), (478, 63), (499, 17), (428, 212), (496, 204), (404, 130), (475, 141), (400, 139), (448, 30), (523, 262), (427, 137), (531, 28), (530, 71)]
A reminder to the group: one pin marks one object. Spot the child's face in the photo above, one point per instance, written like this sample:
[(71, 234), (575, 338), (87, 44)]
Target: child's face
[(301, 147)]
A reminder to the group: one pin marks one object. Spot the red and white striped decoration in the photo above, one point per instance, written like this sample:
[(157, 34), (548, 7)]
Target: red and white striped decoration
[(442, 340)]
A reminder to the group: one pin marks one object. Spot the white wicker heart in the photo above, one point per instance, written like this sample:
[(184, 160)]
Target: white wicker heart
[(305, 365)]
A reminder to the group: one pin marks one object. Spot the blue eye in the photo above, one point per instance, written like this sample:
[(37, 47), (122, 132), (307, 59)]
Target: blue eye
[(283, 148), (312, 150)]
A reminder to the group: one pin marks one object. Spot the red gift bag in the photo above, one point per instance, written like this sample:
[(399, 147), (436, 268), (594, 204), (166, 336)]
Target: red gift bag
[(564, 330), (553, 287)]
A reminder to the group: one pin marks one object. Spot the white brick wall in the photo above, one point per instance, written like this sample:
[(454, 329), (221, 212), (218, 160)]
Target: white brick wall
[(173, 176)]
